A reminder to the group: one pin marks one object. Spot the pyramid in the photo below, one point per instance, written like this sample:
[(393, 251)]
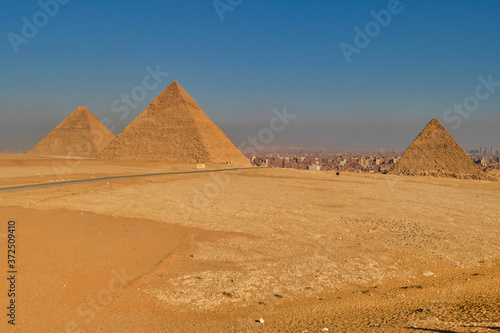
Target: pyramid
[(435, 153), (81, 134), (174, 128)]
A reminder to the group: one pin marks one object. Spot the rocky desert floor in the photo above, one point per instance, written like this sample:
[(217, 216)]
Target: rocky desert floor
[(257, 250)]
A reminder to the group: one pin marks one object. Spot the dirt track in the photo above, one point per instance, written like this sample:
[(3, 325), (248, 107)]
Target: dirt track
[(103, 179)]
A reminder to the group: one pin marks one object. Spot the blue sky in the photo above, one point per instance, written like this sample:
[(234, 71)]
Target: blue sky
[(263, 55)]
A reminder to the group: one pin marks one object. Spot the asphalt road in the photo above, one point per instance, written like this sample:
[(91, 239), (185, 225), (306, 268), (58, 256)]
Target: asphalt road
[(94, 180)]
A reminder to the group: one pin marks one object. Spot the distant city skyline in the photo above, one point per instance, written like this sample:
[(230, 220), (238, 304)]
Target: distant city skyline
[(485, 150)]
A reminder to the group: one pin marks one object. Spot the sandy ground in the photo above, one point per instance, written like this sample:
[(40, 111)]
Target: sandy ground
[(302, 250)]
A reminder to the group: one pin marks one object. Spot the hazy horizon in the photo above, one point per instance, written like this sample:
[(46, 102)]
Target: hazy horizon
[(341, 135)]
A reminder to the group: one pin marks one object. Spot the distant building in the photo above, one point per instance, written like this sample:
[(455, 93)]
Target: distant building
[(315, 167)]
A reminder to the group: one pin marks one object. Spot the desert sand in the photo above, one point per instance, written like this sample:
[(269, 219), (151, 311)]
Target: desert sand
[(301, 250)]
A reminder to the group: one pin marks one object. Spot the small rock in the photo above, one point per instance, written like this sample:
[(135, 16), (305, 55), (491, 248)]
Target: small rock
[(324, 330), (427, 273), (260, 320)]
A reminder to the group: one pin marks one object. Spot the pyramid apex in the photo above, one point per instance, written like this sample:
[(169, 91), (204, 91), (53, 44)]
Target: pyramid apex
[(435, 121), (174, 85), (173, 92), (434, 124), (81, 111)]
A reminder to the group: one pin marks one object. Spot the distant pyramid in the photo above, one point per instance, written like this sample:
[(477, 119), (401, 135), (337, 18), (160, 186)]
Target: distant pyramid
[(81, 134), (435, 153), (174, 128)]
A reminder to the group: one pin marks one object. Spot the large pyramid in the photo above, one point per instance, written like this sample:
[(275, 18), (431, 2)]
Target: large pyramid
[(435, 153), (174, 128), (81, 134)]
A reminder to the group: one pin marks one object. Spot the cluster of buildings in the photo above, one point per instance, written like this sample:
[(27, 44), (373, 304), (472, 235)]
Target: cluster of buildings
[(486, 157), (379, 163), (487, 162), (372, 163)]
